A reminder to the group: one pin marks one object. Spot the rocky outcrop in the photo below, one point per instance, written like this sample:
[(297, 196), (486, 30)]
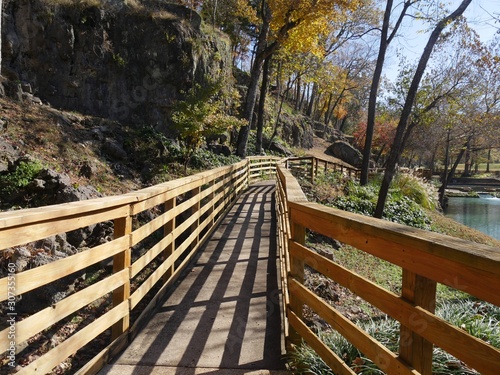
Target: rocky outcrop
[(297, 130), (123, 62), (346, 152), (47, 187)]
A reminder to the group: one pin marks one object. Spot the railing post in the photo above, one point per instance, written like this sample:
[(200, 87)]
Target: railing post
[(413, 348), (312, 170), (121, 261), (298, 234), (167, 229), (248, 172), (211, 203), (195, 210)]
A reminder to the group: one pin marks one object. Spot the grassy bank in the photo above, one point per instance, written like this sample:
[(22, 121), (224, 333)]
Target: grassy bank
[(411, 202)]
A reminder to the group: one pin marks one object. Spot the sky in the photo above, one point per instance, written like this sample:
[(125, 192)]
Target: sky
[(412, 41)]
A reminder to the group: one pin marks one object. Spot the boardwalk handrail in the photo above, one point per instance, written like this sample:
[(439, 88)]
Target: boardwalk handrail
[(189, 209), (425, 258)]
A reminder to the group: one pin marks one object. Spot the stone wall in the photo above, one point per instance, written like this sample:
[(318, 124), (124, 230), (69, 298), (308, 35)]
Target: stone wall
[(126, 63)]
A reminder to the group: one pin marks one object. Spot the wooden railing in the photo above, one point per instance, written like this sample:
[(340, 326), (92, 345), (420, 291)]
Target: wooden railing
[(311, 166), (187, 210), (425, 258), (147, 256)]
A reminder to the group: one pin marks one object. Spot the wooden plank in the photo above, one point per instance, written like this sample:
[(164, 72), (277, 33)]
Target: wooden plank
[(48, 361), (159, 194), (36, 277), (293, 190), (122, 261), (473, 351), (167, 233), (149, 283), (151, 254), (177, 272), (385, 359), (20, 235), (93, 366), (43, 319), (331, 359), (297, 271), (149, 228), (470, 267), (195, 212), (413, 348), (29, 216)]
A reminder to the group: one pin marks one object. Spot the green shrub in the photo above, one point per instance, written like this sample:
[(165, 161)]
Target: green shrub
[(18, 179), (403, 210), (404, 204), (204, 159)]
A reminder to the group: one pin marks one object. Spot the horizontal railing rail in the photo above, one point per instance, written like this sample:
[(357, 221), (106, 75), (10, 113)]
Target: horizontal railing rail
[(147, 253), (132, 271), (311, 166), (425, 259)]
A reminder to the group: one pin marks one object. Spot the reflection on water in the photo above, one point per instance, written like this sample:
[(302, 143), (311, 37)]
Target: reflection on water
[(479, 213)]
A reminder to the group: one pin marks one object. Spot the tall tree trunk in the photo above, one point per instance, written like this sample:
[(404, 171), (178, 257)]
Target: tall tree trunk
[(385, 40), (262, 104), (255, 74), (327, 109), (298, 85), (311, 100), (304, 89), (403, 127)]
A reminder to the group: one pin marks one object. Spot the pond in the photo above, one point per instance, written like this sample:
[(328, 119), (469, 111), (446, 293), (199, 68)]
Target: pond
[(479, 213)]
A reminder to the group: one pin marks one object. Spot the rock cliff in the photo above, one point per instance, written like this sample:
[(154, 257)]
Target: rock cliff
[(109, 58)]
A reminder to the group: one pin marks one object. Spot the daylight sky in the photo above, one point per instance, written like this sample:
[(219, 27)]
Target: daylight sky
[(413, 40)]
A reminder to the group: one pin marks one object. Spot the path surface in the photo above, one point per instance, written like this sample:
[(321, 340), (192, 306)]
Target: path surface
[(224, 316)]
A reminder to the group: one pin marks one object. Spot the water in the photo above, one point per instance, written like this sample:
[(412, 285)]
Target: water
[(479, 213)]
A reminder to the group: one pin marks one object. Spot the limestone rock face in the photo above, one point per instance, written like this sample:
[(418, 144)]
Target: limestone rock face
[(123, 62)]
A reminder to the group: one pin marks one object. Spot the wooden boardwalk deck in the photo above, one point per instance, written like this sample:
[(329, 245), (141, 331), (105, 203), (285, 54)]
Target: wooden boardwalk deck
[(223, 316)]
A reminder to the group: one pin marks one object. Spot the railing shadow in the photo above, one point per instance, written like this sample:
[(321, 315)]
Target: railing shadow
[(224, 312)]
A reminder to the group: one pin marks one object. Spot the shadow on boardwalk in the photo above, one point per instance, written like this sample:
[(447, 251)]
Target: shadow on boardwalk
[(223, 317)]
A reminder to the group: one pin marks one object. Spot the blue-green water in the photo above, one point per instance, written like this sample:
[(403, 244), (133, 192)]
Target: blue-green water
[(479, 213)]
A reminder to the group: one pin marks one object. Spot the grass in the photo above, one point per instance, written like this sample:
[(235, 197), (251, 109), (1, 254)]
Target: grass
[(479, 318)]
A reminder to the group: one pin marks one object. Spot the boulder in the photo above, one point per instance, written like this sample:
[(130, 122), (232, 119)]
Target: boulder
[(345, 152)]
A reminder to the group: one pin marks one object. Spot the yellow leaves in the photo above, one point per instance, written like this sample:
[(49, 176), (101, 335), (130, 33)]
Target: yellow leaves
[(310, 20), (243, 10)]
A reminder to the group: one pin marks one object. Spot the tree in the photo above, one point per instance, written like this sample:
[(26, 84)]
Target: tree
[(385, 40), (405, 127), (299, 24), (202, 113)]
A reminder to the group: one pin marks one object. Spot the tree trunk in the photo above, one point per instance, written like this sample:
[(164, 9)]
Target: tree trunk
[(448, 176), (255, 74), (311, 100), (262, 105), (398, 143), (372, 101), (385, 40)]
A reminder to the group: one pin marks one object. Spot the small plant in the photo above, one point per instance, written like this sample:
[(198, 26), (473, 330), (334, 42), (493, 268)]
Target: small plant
[(479, 319), (19, 178), (119, 60), (202, 113)]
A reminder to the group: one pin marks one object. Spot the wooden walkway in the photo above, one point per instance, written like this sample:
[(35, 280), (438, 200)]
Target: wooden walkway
[(223, 316)]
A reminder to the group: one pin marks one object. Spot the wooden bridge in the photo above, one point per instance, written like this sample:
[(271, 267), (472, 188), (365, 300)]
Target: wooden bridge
[(214, 281)]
